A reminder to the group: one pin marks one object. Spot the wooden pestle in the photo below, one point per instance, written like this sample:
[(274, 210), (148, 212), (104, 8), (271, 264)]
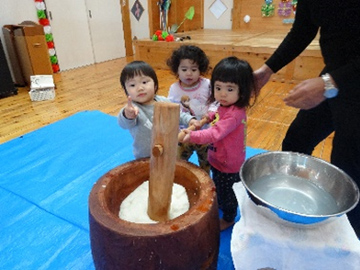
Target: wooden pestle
[(163, 158), (182, 134)]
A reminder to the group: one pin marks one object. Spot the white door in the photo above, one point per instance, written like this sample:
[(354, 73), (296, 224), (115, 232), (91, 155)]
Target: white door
[(106, 29), (70, 28)]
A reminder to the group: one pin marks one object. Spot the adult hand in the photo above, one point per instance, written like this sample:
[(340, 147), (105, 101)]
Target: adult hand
[(130, 110), (262, 76), (307, 94)]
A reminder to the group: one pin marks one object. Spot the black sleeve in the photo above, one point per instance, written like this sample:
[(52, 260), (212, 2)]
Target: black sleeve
[(299, 37)]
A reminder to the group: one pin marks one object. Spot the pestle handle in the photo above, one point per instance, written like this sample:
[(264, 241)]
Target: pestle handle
[(181, 135), (163, 158)]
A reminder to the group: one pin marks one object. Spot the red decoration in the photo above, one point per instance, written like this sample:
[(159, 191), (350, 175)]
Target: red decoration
[(169, 38), (50, 45), (55, 68), (44, 22), (162, 36), (39, 1), (158, 33)]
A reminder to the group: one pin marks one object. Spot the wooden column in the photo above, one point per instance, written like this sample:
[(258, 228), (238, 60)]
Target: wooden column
[(163, 158)]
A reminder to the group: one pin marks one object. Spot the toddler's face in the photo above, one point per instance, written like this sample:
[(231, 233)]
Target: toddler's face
[(226, 93), (141, 89), (188, 72)]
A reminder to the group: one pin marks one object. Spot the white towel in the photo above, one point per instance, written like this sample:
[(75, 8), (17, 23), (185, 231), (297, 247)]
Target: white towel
[(260, 239)]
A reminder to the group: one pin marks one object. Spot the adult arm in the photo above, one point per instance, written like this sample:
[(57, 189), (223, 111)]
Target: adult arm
[(299, 37)]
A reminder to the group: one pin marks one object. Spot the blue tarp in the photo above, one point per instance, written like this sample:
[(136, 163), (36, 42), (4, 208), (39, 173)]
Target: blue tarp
[(45, 179)]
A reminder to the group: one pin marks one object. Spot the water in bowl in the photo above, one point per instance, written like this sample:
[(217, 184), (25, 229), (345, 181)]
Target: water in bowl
[(294, 194)]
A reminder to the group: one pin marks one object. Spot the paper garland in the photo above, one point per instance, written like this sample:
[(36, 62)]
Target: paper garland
[(43, 20)]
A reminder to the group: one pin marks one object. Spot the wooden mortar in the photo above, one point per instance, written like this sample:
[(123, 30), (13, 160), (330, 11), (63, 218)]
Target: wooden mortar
[(190, 241)]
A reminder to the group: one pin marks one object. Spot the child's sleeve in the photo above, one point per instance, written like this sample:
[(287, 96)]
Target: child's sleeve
[(124, 122), (185, 118)]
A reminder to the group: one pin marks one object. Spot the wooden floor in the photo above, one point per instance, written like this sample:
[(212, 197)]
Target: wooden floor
[(97, 87)]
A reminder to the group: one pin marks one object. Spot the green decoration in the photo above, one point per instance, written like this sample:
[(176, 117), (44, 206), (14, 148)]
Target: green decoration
[(155, 37), (267, 10), (53, 59), (164, 34), (48, 37), (41, 14), (189, 15)]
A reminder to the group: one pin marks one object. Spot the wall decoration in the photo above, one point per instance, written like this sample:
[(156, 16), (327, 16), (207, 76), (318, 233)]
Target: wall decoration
[(247, 18), (218, 8), (137, 10), (43, 20), (288, 21), (268, 9), (285, 8)]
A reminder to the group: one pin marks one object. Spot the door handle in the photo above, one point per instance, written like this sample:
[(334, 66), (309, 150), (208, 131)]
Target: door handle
[(90, 15)]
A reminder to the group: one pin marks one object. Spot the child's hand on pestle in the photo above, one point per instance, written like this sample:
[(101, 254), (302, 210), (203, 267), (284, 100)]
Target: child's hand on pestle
[(193, 125), (130, 111), (186, 138), (196, 123), (205, 119)]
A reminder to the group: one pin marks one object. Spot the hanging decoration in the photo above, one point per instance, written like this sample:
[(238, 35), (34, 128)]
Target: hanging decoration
[(137, 10), (268, 9), (43, 20), (285, 8)]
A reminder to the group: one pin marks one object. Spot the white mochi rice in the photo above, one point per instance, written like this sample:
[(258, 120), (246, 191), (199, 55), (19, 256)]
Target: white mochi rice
[(134, 207)]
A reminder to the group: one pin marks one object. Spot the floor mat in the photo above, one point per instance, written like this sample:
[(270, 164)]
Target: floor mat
[(45, 179)]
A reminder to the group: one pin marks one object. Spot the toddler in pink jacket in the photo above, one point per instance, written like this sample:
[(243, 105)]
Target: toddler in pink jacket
[(232, 88)]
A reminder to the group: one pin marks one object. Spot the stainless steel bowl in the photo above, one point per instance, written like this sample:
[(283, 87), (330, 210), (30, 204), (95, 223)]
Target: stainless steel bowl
[(297, 187)]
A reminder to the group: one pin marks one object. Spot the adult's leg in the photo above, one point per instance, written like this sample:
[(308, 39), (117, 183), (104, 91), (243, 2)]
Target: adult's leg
[(308, 129), (346, 145)]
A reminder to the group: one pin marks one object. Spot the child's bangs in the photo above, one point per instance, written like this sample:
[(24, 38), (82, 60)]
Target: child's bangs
[(225, 75)]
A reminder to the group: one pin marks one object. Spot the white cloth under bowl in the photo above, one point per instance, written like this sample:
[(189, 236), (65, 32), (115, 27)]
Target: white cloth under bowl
[(261, 240)]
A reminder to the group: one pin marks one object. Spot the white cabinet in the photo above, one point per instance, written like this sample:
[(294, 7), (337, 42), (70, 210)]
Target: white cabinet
[(86, 31)]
